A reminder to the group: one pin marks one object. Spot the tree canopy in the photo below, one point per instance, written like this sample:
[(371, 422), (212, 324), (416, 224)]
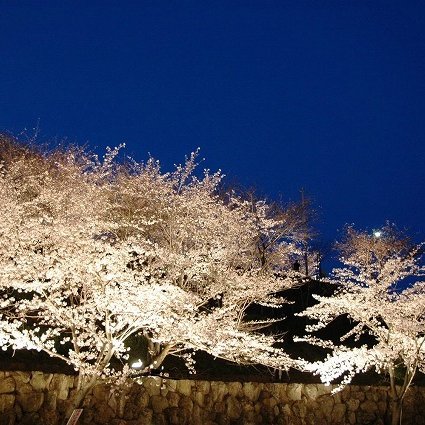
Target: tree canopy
[(94, 251), (381, 289)]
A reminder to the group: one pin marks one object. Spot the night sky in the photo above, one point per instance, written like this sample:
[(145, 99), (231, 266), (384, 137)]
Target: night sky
[(328, 96)]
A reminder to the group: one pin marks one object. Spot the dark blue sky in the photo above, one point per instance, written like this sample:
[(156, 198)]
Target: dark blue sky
[(324, 95)]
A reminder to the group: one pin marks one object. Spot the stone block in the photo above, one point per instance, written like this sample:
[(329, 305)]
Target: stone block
[(8, 418), (249, 417), (50, 402), (382, 407), (145, 417), (222, 419), (235, 389), (21, 377), (159, 403), (247, 406), (219, 407), (184, 387), (143, 399), (18, 411), (280, 391), (345, 393), (326, 403), (369, 406), (203, 386), (233, 408), (171, 384), (131, 412), (40, 381), (173, 415), (197, 415), (310, 391), (299, 409), (323, 389), (114, 401), (251, 391), (286, 410), (7, 402), (104, 414), (269, 403), (208, 402), (372, 395), (353, 404), (186, 404), (60, 384), (31, 418), (264, 394), (160, 419), (152, 385), (173, 399), (101, 392), (294, 392), (30, 401), (198, 398), (337, 397), (49, 416), (338, 413), (352, 418), (218, 390), (366, 418), (7, 385), (358, 395)]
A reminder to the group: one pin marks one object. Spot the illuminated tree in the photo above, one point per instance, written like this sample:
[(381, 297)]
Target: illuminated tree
[(283, 232), (381, 288), (93, 252)]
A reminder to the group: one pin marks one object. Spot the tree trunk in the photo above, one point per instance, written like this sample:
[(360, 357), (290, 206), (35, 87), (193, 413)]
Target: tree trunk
[(395, 411), (78, 397)]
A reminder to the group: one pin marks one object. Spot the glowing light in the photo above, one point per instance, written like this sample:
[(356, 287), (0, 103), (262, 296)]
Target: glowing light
[(137, 364), (377, 233)]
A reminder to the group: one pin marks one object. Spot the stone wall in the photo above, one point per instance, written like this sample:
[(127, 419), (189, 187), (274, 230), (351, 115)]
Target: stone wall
[(34, 398)]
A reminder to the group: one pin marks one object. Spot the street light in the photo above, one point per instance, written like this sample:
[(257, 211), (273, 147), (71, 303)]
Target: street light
[(137, 364)]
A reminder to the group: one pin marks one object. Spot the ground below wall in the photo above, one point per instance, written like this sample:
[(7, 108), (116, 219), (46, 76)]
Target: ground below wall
[(36, 398)]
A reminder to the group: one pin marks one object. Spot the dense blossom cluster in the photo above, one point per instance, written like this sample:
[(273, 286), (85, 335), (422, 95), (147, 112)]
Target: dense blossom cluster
[(95, 251), (381, 289)]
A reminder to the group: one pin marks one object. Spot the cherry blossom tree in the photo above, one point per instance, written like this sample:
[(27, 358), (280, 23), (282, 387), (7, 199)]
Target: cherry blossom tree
[(283, 231), (96, 251), (381, 288)]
